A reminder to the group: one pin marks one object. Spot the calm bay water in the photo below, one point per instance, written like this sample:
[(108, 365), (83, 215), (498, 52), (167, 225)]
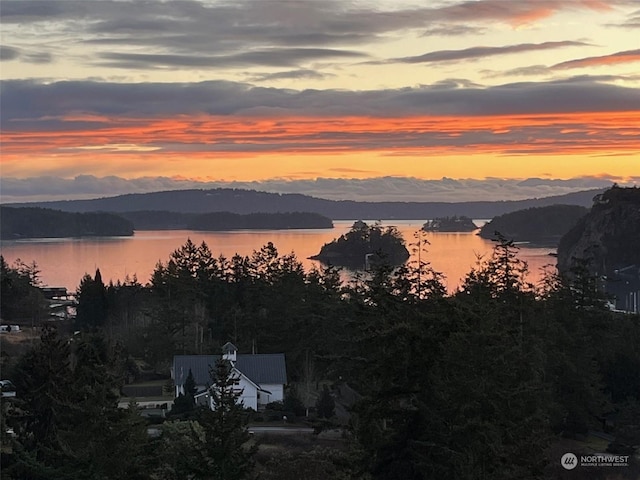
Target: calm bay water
[(63, 262)]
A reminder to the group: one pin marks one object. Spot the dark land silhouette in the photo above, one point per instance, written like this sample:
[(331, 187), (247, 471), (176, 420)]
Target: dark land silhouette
[(251, 201)]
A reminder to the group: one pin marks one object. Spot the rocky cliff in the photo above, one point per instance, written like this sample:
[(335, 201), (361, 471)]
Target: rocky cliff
[(608, 236)]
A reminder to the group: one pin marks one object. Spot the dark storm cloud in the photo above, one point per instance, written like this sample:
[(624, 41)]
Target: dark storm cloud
[(480, 52), (38, 105)]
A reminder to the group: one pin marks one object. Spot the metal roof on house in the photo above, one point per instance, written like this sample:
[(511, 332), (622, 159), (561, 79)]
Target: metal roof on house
[(263, 368)]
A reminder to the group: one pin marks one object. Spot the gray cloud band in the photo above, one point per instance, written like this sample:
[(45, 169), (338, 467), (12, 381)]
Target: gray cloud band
[(370, 189), (29, 105)]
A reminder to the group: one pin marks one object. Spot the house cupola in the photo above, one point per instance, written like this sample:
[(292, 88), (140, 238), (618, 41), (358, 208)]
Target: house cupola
[(229, 351)]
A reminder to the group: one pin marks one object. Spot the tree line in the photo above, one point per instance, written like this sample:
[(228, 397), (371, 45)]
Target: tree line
[(539, 225), (31, 222), (477, 383)]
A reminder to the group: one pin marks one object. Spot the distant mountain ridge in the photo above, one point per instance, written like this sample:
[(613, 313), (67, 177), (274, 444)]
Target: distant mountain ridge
[(251, 201)]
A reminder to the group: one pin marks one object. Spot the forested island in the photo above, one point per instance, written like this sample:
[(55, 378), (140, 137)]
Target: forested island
[(539, 225), (34, 222), (450, 224), (17, 223), (365, 245)]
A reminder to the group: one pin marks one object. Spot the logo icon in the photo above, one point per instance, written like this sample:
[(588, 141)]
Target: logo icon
[(569, 461)]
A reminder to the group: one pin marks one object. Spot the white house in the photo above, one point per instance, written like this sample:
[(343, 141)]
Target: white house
[(260, 377)]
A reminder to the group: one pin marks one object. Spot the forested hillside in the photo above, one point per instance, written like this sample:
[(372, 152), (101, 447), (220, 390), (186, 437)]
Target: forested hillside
[(26, 222), (250, 201), (540, 225)]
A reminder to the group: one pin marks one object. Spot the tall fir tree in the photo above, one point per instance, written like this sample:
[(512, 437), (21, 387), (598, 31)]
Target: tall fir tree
[(92, 309), (227, 453)]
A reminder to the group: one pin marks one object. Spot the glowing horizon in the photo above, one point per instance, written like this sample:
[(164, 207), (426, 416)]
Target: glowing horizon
[(457, 89)]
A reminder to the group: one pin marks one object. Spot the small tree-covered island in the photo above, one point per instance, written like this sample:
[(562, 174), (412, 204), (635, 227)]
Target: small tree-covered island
[(365, 245), (450, 224)]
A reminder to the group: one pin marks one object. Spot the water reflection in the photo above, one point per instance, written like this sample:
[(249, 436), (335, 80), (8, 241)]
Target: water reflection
[(63, 262)]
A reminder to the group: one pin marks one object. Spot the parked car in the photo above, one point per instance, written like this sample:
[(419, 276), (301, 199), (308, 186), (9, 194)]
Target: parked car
[(8, 389)]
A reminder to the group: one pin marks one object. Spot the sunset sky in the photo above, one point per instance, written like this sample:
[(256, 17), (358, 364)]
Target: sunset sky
[(389, 99)]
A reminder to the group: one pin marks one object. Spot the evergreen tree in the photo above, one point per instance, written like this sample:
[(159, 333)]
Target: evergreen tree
[(100, 431), (226, 453), (584, 285), (185, 402), (395, 342), (326, 405), (317, 464), (496, 409), (72, 427), (190, 388), (292, 403), (179, 452), (92, 310), (21, 297), (180, 289), (576, 325), (43, 380)]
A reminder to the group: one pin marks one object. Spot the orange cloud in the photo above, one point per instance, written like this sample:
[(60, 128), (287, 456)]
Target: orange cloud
[(613, 59), (233, 137), (518, 13)]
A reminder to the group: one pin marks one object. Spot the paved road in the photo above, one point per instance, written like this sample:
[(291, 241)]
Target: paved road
[(275, 429)]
